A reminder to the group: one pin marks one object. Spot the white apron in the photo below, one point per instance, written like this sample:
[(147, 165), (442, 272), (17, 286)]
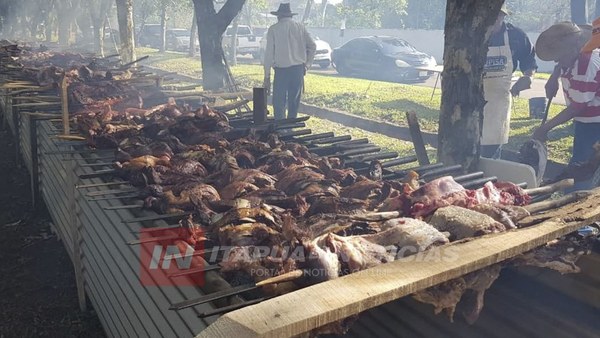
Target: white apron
[(496, 91)]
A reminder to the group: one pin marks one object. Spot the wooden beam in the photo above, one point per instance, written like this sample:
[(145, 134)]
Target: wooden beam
[(306, 309)]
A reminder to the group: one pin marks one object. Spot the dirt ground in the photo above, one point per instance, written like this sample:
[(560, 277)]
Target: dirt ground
[(38, 297)]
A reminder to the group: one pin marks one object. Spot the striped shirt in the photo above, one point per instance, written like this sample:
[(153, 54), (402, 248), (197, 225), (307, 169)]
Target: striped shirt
[(288, 44), (581, 86)]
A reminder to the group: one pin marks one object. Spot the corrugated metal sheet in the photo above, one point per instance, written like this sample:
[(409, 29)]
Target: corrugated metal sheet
[(8, 114), (25, 140), (125, 307), (515, 306)]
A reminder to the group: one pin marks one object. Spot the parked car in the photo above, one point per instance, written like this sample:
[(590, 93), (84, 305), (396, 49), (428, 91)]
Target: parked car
[(247, 42), (382, 57), (179, 39), (322, 54), (150, 36)]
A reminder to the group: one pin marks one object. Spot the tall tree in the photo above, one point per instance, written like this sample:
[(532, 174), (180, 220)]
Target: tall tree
[(64, 11), (579, 11), (467, 33), (125, 18), (193, 37), (98, 14), (211, 26)]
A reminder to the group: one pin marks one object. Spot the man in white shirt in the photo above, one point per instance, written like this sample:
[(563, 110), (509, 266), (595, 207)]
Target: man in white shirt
[(290, 51)]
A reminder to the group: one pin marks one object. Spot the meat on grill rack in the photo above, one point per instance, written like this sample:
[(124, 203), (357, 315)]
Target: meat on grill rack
[(245, 189)]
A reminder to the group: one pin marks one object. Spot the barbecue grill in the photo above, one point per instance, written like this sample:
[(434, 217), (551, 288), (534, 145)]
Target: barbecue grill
[(97, 219)]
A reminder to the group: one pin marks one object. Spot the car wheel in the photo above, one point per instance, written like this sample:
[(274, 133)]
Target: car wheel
[(341, 68), (325, 65)]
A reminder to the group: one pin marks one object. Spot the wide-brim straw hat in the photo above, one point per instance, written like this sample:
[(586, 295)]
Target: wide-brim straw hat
[(594, 40), (284, 10), (551, 44)]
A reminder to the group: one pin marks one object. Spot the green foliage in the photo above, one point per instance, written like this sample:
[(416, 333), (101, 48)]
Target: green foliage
[(372, 13)]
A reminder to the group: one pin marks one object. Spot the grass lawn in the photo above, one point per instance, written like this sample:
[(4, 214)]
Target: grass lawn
[(376, 100)]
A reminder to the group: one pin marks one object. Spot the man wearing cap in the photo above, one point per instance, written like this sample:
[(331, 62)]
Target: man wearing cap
[(578, 60), (508, 48), (290, 51)]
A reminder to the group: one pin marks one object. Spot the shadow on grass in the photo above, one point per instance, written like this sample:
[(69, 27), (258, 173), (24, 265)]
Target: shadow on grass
[(423, 112)]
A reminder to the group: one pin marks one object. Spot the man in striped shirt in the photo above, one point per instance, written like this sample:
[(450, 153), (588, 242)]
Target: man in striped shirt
[(579, 61)]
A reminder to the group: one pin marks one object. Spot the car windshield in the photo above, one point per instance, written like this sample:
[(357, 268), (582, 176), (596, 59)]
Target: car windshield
[(180, 33), (393, 46)]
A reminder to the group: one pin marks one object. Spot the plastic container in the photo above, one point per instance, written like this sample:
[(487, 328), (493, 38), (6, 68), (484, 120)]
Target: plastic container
[(537, 107)]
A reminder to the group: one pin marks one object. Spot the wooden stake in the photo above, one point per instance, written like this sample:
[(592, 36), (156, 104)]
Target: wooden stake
[(65, 106)]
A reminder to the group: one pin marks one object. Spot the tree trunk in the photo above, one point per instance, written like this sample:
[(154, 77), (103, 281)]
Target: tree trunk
[(125, 18), (579, 11), (307, 9), (233, 43), (192, 50), (211, 26), (99, 37), (597, 9), (323, 12), (163, 28), (467, 33)]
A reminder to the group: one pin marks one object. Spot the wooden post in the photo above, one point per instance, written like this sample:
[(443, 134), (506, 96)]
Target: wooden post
[(259, 102), (64, 99), (35, 175), (417, 138)]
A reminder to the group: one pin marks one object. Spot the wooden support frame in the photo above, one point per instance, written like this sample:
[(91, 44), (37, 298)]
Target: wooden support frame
[(417, 138), (309, 308)]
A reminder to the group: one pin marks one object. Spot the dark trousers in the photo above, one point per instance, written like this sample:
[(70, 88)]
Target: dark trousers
[(585, 135), (287, 88), (491, 150)]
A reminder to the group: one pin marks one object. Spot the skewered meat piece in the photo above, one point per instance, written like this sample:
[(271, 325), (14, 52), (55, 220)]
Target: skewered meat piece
[(444, 191), (143, 161), (464, 223), (259, 265), (344, 177), (249, 234), (508, 215), (237, 189), (447, 295), (560, 255), (335, 205), (331, 255), (409, 235)]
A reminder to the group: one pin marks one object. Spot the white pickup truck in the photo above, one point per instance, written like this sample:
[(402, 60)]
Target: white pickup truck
[(247, 42)]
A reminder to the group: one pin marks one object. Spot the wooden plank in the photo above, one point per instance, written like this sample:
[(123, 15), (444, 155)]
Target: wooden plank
[(352, 294), (417, 137)]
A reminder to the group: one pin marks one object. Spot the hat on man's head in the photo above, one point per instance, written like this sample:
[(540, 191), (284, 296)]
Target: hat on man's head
[(552, 43), (594, 41), (284, 10)]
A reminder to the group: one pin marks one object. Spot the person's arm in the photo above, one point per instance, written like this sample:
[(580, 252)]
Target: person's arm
[(567, 114), (311, 48), (268, 60), (524, 55), (551, 86)]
